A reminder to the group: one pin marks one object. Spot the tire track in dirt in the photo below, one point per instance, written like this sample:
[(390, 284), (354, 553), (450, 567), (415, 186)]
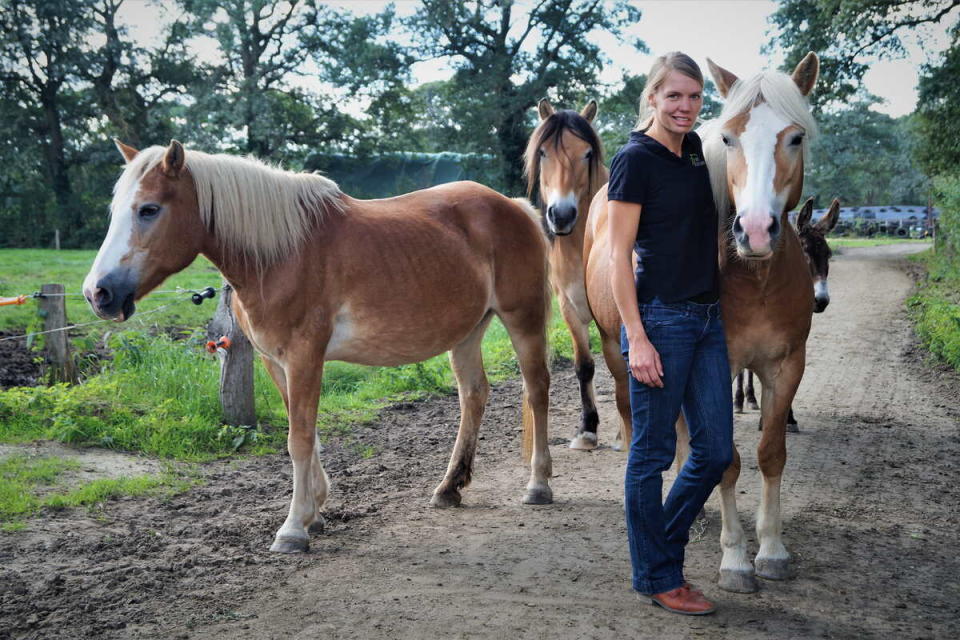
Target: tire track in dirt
[(870, 497)]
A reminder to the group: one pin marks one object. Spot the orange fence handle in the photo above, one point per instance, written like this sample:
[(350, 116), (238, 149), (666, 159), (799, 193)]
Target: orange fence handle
[(4, 302)]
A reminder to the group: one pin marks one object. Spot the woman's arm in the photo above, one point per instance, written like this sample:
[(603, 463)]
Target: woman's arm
[(623, 218)]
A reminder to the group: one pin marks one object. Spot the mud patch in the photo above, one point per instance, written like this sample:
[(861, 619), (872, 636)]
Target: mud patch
[(18, 366)]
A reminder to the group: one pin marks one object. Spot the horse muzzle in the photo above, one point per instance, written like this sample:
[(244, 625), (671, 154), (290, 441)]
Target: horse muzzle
[(113, 295), (756, 235), (561, 220)]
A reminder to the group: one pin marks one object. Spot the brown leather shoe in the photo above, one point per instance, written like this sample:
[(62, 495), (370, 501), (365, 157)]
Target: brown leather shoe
[(683, 600)]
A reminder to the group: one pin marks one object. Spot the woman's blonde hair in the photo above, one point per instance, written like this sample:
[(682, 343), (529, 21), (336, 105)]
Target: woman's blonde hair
[(662, 66)]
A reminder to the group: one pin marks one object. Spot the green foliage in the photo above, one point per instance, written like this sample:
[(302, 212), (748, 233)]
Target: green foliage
[(947, 188), (936, 306), (938, 112)]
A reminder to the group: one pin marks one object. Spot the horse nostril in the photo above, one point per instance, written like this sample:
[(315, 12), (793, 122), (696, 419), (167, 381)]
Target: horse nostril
[(102, 296), (775, 226), (737, 227)]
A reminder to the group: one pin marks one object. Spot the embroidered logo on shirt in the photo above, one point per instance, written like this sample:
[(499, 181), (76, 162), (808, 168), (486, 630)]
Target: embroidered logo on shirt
[(696, 160)]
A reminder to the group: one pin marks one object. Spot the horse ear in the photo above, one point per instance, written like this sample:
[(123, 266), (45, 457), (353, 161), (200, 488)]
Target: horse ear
[(806, 73), (128, 152), (806, 213), (545, 108), (589, 112), (826, 224), (173, 160), (722, 77)]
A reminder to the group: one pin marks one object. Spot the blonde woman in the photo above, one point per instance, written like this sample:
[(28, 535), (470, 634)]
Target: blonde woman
[(661, 207)]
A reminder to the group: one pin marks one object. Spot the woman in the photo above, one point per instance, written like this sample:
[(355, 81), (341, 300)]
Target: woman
[(661, 207)]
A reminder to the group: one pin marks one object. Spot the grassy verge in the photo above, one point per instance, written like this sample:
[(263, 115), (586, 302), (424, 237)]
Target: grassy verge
[(936, 306), (31, 484), (872, 242)]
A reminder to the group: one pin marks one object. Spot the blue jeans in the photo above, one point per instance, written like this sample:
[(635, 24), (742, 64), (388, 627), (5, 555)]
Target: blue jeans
[(696, 378)]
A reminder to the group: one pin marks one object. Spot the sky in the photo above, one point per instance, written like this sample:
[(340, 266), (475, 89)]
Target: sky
[(730, 32)]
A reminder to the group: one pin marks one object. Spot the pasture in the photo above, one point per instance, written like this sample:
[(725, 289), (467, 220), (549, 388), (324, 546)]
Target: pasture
[(868, 508)]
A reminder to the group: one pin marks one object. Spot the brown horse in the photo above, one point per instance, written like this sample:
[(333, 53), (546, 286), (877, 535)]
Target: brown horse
[(563, 163), (755, 154), (813, 241), (319, 276)]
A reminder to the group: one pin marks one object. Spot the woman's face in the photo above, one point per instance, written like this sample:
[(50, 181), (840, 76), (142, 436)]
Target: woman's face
[(677, 102)]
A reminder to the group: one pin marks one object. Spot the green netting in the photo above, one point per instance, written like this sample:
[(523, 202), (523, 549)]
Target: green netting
[(391, 174)]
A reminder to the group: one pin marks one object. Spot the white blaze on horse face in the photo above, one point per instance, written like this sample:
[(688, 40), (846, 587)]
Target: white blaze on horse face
[(117, 243), (758, 202)]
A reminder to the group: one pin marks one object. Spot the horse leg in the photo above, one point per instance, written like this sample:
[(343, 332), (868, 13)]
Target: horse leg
[(527, 330), (772, 560), (738, 396), (320, 480), (466, 360), (310, 482), (751, 396), (736, 572), (576, 314), (618, 369)]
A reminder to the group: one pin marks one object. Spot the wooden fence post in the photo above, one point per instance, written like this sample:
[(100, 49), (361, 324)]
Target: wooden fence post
[(236, 365), (53, 310)]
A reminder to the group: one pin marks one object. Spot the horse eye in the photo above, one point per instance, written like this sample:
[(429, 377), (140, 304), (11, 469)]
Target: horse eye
[(148, 210), (588, 155), (543, 154), (726, 140), (797, 139)]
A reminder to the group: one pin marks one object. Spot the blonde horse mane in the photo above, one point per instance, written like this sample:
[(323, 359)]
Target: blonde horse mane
[(779, 91), (254, 209)]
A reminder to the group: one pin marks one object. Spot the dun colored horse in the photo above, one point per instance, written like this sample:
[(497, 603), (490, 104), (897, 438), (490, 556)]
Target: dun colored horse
[(754, 151), (563, 162), (813, 240), (320, 276)]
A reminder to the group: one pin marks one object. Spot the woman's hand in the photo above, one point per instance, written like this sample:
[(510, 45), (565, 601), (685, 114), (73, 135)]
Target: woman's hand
[(645, 362)]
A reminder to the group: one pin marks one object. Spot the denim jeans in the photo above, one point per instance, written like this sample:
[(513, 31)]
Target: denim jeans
[(696, 378)]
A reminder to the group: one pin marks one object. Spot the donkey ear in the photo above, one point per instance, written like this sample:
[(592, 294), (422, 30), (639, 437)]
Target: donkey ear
[(128, 152), (826, 224), (722, 77), (545, 108), (806, 213), (806, 73), (589, 112), (173, 160)]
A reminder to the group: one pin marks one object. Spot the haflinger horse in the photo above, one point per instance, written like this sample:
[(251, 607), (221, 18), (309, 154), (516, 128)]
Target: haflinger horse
[(563, 163), (754, 152), (816, 249), (319, 276)]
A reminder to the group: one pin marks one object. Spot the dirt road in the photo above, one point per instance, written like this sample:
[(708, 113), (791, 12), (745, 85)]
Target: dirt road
[(870, 513)]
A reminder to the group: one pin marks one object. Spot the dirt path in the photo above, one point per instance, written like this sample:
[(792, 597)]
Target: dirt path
[(870, 514)]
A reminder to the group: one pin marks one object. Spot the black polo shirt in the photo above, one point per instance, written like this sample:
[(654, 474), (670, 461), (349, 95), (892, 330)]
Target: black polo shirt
[(676, 241)]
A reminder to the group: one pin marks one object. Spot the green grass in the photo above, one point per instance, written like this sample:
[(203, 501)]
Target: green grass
[(31, 483), (871, 242), (936, 305)]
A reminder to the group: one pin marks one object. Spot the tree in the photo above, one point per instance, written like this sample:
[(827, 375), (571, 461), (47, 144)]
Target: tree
[(504, 66)]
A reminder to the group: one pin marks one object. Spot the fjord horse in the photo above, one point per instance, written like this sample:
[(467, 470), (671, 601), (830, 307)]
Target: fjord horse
[(754, 151), (318, 275), (563, 163), (813, 241)]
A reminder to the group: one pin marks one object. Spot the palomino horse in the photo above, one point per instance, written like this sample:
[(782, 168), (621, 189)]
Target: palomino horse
[(755, 154), (813, 240), (321, 276), (564, 163)]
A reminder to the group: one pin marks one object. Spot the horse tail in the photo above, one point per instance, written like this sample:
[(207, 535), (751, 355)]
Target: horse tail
[(527, 408)]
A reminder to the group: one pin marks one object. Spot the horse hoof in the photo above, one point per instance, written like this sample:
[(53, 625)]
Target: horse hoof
[(446, 500), (738, 581), (288, 544), (773, 568), (584, 441), (317, 526), (793, 428), (538, 496), (753, 405)]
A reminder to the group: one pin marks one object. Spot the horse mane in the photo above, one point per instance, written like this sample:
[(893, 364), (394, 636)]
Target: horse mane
[(776, 89), (551, 130), (254, 209)]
